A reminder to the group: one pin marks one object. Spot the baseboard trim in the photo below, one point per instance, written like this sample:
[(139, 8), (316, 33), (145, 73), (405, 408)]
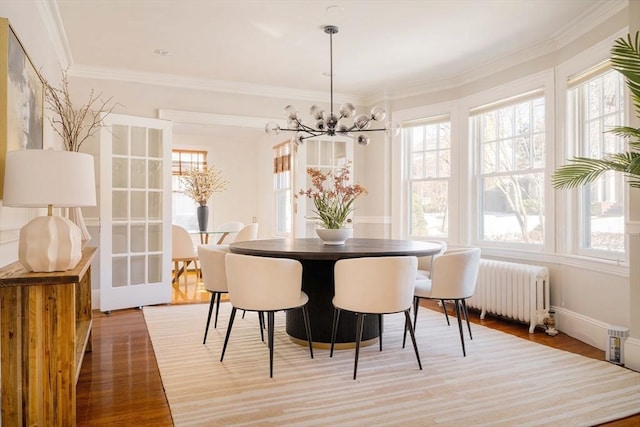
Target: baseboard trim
[(586, 329), (632, 354), (594, 332), (95, 299)]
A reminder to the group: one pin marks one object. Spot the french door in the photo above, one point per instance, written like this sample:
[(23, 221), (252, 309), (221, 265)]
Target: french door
[(135, 212), (326, 155)]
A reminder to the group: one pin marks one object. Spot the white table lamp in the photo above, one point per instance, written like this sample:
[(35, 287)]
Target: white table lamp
[(49, 178)]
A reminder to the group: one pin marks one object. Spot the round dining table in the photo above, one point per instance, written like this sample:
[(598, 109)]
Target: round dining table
[(318, 261)]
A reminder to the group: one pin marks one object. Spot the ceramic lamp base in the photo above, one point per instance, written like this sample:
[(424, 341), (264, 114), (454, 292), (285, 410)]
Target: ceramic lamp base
[(50, 243), (334, 236)]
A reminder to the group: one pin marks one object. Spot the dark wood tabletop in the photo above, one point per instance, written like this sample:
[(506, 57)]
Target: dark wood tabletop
[(318, 261), (314, 249)]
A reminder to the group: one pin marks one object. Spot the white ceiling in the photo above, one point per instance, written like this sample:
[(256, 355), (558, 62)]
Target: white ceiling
[(383, 47)]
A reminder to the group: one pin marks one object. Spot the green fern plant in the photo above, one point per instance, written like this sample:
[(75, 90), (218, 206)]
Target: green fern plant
[(625, 58)]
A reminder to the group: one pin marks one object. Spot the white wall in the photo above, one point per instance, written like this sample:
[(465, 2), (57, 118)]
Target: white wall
[(226, 151), (587, 299)]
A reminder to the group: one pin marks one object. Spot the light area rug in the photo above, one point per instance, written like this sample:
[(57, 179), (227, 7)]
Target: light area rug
[(503, 381)]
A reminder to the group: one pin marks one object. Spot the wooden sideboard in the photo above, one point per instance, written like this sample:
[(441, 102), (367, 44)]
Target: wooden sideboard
[(45, 322)]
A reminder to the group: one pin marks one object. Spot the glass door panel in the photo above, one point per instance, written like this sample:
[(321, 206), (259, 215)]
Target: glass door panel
[(136, 208)]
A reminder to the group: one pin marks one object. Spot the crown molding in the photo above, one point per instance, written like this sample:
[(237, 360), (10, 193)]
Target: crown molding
[(53, 22), (588, 20), (104, 73), (211, 119), (578, 27)]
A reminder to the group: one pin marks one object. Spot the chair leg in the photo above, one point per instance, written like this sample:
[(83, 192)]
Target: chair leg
[(270, 327), (380, 329), (243, 313), (261, 321), (206, 329), (219, 295), (466, 316), (334, 328), (407, 323), (458, 314), (226, 338), (444, 308), (416, 304), (359, 328), (307, 327)]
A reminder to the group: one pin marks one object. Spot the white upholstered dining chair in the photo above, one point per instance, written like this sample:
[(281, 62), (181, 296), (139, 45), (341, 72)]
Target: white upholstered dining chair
[(183, 252), (453, 278), (214, 276), (374, 285), (425, 263), (248, 232), (265, 285)]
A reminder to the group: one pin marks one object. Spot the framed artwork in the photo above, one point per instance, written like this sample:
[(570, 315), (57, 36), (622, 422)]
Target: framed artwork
[(21, 98)]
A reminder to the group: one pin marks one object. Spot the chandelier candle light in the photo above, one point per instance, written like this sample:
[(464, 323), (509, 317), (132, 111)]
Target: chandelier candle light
[(332, 124)]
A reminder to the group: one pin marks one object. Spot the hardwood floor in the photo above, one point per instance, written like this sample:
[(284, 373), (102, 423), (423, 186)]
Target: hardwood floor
[(120, 383)]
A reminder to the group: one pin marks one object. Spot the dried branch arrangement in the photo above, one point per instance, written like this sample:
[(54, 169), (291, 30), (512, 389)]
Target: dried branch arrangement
[(75, 126), (201, 184)]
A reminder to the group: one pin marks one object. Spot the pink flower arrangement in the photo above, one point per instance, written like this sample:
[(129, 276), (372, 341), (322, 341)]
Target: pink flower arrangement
[(333, 203)]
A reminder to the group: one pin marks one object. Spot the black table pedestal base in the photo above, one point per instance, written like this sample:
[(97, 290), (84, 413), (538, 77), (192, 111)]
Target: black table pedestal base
[(318, 283)]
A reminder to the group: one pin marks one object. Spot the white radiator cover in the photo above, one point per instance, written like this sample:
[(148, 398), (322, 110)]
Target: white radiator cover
[(513, 290)]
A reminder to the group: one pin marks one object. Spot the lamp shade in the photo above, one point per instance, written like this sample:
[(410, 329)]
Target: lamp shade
[(38, 178)]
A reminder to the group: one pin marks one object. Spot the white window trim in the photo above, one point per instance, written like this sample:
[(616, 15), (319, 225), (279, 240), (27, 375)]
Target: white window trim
[(567, 214), (542, 80), (399, 199)]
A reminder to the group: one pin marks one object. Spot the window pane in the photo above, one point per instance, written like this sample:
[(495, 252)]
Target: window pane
[(489, 157), (445, 135), (417, 139), (417, 165), (599, 107), (513, 209), (505, 156), (489, 126), (444, 165), (429, 161), (523, 153), (183, 208), (431, 137), (505, 122), (522, 123), (512, 173), (429, 208), (538, 151)]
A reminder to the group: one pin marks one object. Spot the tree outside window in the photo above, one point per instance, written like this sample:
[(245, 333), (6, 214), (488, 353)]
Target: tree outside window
[(510, 141), (429, 170)]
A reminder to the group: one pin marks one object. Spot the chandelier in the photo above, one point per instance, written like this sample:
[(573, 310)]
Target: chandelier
[(332, 124)]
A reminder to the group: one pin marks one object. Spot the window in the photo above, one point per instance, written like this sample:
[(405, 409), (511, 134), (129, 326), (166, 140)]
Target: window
[(183, 207), (509, 137), (428, 145), (596, 104), (282, 188)]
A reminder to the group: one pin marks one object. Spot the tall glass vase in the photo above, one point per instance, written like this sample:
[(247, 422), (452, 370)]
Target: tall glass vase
[(203, 217)]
